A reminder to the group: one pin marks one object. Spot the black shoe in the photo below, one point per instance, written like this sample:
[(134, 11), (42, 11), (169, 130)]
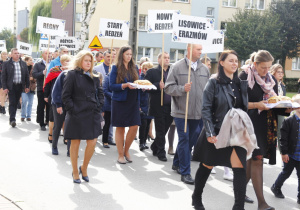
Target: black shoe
[(143, 147), (111, 143), (198, 206), (187, 179), (19, 105), (13, 124), (176, 168), (163, 158), (85, 178), (3, 110), (77, 181), (106, 146), (50, 140), (277, 191), (248, 200), (54, 151), (43, 128), (298, 200)]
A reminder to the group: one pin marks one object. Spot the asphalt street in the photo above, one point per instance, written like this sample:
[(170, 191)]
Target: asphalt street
[(34, 179)]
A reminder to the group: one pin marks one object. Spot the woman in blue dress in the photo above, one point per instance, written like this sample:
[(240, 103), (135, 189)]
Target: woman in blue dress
[(125, 102)]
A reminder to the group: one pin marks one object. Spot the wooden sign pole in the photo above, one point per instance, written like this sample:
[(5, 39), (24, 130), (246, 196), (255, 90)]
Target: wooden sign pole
[(162, 67), (111, 54), (205, 59), (188, 95)]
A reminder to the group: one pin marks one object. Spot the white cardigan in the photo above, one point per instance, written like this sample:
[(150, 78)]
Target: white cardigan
[(237, 130)]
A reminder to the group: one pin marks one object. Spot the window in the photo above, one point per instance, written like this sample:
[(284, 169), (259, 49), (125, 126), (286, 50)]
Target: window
[(223, 26), (78, 17), (182, 1), (176, 55), (255, 4), (296, 63), (143, 22), (229, 3), (210, 11), (78, 1), (149, 52)]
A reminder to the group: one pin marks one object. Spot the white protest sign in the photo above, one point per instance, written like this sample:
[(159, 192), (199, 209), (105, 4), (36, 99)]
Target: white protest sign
[(70, 42), (50, 26), (114, 29), (216, 44), (191, 29), (2, 45), (161, 21), (24, 48)]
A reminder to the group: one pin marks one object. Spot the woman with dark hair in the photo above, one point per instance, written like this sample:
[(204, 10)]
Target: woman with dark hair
[(3, 58), (83, 98), (125, 102), (261, 86), (223, 91)]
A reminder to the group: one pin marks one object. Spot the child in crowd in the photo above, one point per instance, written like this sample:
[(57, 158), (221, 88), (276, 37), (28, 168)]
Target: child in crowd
[(290, 151)]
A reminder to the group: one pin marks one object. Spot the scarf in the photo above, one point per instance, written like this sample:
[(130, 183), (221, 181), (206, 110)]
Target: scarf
[(54, 73), (266, 83)]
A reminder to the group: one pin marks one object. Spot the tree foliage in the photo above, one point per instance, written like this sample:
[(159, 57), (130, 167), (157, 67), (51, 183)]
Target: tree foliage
[(288, 13), (252, 30), (24, 35), (64, 3), (43, 8), (7, 35)]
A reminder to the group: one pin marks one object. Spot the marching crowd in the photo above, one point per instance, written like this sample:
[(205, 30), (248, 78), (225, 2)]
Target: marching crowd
[(86, 97)]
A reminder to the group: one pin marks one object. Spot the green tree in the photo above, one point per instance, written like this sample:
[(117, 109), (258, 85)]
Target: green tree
[(7, 35), (43, 8), (24, 35), (288, 13), (252, 30)]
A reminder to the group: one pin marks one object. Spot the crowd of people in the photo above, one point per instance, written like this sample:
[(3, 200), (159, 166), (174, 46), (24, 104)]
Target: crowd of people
[(87, 97)]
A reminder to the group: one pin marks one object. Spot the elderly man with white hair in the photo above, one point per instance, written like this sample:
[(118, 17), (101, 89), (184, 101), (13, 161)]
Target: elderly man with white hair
[(56, 62)]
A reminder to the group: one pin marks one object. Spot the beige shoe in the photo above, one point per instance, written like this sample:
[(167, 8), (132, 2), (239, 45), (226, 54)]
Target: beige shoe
[(171, 152)]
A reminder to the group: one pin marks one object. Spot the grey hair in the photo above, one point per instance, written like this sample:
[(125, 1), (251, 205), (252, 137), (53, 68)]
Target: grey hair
[(62, 48), (203, 59)]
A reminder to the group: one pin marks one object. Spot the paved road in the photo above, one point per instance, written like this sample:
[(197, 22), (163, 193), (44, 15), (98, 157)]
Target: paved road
[(36, 180)]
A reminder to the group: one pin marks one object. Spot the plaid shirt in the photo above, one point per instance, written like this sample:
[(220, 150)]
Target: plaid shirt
[(296, 155), (17, 74)]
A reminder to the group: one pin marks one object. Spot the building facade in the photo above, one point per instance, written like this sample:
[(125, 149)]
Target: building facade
[(23, 20)]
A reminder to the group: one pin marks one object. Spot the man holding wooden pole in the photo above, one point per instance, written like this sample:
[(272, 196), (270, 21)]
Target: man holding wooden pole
[(162, 114), (177, 86)]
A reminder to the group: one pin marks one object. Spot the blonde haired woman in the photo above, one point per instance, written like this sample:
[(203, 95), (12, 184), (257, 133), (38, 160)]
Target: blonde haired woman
[(2, 93), (83, 98)]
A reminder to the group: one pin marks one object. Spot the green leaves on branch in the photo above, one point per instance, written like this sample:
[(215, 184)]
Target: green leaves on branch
[(43, 8)]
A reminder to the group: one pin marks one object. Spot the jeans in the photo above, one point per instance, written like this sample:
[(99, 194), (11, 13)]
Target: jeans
[(286, 173), (14, 96), (27, 100), (186, 141)]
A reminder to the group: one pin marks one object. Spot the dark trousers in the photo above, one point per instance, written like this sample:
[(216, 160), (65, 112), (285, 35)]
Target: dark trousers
[(144, 130), (107, 120), (58, 123), (186, 141), (14, 96), (41, 107), (162, 125), (286, 173)]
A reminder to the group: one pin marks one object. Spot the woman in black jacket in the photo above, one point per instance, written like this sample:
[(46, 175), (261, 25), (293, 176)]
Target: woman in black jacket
[(83, 98), (222, 92), (3, 58), (261, 86)]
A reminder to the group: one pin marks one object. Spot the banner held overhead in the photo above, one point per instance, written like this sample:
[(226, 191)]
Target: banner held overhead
[(161, 21), (114, 29), (24, 48), (2, 45), (70, 42), (50, 26)]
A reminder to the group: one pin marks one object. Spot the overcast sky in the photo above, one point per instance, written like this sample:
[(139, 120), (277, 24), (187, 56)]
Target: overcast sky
[(7, 12)]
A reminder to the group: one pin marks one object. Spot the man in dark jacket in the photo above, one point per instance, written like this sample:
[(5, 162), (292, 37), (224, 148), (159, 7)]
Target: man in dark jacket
[(15, 78), (162, 114), (39, 72)]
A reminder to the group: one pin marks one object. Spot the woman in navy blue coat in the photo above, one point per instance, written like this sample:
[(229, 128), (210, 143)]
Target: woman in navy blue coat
[(125, 102)]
